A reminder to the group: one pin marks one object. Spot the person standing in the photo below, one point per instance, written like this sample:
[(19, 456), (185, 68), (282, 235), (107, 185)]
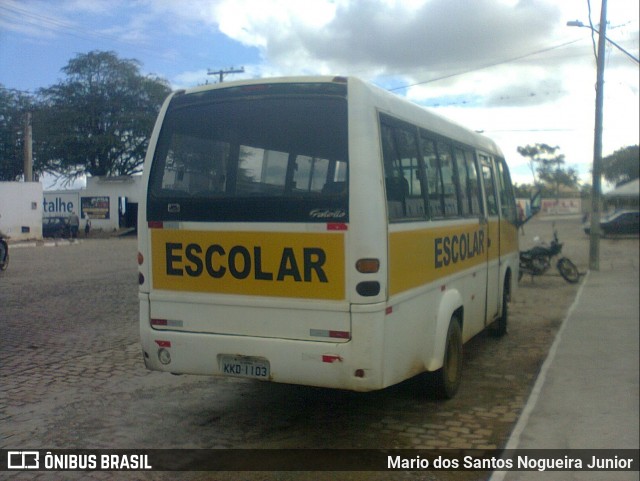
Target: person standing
[(74, 224)]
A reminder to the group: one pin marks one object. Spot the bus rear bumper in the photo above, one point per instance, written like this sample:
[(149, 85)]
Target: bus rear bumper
[(322, 364)]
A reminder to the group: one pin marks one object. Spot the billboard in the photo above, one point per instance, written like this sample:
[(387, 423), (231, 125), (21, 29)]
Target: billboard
[(96, 207)]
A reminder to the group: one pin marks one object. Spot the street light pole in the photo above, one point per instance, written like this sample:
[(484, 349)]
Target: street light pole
[(594, 237), (578, 23)]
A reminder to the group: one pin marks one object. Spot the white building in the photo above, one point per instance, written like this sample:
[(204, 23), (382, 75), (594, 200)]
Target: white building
[(110, 203), (21, 210)]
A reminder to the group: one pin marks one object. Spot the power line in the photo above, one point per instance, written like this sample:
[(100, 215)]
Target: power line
[(500, 98), (493, 64), (24, 16), (52, 24)]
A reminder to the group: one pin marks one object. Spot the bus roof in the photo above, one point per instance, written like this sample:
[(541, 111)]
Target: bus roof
[(383, 101)]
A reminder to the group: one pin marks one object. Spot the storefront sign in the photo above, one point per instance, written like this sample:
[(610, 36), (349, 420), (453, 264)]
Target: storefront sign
[(60, 204)]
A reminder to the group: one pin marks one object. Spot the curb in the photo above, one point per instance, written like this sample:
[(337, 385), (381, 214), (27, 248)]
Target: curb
[(48, 243)]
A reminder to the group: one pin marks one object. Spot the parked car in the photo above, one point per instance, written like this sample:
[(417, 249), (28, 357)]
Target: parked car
[(55, 227), (623, 222)]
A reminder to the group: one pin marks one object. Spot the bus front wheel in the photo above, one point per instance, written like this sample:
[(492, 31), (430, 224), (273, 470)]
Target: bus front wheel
[(448, 377)]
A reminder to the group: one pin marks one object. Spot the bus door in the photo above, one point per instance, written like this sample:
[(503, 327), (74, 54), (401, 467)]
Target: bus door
[(492, 219)]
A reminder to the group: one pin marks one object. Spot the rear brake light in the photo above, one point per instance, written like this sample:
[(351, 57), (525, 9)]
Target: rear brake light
[(331, 358), (331, 334), (339, 334), (167, 322), (155, 224), (337, 226), (163, 343), (140, 258)]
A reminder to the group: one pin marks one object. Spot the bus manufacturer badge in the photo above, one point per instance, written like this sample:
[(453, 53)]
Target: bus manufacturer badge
[(173, 208), (327, 214)]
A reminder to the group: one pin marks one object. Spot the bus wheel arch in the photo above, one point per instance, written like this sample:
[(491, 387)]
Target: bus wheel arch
[(450, 305), (449, 376), (445, 365)]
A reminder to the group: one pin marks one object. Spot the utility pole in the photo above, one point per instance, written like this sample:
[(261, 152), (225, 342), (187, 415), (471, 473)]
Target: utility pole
[(222, 73), (28, 149), (594, 236)]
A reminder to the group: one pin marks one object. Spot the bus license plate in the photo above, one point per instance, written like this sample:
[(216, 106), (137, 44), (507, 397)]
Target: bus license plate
[(242, 366)]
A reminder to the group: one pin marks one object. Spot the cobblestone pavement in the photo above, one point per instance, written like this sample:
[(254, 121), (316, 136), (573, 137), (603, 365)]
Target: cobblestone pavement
[(72, 375)]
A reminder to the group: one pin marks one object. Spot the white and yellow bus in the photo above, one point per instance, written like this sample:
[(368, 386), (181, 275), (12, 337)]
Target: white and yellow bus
[(320, 231)]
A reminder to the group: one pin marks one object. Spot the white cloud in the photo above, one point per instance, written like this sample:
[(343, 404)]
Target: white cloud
[(257, 22), (509, 67), (398, 37)]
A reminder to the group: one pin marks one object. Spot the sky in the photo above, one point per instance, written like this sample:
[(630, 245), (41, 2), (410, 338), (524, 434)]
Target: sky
[(512, 69)]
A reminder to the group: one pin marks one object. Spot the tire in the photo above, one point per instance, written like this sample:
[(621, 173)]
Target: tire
[(448, 377), (4, 252), (499, 327), (568, 270)]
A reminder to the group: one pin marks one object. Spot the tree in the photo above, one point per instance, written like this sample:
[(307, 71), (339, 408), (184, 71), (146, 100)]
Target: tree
[(622, 166), (13, 108), (98, 121), (544, 160), (523, 191)]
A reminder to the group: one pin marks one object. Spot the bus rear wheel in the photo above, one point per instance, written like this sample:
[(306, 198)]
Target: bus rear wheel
[(448, 377), (499, 327)]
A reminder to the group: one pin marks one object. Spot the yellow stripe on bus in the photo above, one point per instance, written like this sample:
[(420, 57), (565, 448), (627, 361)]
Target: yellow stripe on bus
[(423, 256), (300, 265), (508, 238)]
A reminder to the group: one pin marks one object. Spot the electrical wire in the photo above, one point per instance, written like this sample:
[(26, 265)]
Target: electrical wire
[(483, 67)]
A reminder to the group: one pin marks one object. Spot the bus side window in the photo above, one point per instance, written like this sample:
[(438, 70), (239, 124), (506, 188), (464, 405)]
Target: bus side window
[(463, 178), (507, 198), (489, 185), (449, 180), (403, 173), (392, 182), (411, 172), (434, 180), (475, 195)]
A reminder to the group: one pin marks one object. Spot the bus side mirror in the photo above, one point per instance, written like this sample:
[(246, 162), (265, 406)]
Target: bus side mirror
[(535, 204)]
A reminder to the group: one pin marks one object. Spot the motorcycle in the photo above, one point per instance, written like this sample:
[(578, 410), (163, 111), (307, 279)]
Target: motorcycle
[(4, 252), (537, 260)]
